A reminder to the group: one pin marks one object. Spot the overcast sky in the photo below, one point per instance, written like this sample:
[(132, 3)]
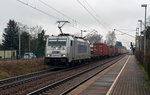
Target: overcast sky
[(112, 14)]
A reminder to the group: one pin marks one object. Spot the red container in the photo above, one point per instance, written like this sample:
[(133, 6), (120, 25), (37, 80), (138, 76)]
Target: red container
[(112, 51), (116, 51), (100, 49)]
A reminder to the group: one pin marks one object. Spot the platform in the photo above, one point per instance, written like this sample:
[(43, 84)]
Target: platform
[(123, 78)]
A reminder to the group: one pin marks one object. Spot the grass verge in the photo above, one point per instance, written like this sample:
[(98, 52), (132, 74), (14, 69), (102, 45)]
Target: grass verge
[(20, 67), (146, 76)]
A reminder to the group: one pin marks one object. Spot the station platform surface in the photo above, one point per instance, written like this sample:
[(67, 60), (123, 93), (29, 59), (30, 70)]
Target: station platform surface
[(123, 78)]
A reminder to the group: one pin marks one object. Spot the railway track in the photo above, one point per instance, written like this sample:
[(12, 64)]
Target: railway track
[(22, 86), (12, 79), (51, 88), (22, 79), (18, 80)]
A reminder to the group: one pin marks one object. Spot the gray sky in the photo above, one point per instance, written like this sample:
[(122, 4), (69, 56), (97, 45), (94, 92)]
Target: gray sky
[(117, 14)]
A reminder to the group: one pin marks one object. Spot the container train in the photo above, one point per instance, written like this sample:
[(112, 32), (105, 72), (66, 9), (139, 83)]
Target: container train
[(68, 50)]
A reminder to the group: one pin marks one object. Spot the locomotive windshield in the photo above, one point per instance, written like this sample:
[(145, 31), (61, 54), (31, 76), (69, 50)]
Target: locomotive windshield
[(57, 42)]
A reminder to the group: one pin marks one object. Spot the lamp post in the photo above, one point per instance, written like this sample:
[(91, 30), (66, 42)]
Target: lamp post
[(29, 39), (137, 31), (141, 33), (140, 26), (29, 31), (21, 29), (82, 31), (145, 5), (19, 36), (137, 39), (19, 43)]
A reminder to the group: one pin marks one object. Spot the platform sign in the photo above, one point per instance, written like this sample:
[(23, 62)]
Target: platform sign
[(137, 38), (142, 33), (94, 49)]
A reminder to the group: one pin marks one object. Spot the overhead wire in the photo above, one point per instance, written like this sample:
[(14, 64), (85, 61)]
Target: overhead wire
[(96, 19), (38, 10), (53, 8), (54, 17), (75, 21), (128, 30), (124, 33), (104, 23)]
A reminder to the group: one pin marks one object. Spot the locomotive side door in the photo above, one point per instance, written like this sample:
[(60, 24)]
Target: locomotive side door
[(71, 53), (73, 49)]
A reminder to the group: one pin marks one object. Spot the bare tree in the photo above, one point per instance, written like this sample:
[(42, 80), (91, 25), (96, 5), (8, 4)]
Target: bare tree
[(29, 36), (34, 31), (111, 38), (95, 38)]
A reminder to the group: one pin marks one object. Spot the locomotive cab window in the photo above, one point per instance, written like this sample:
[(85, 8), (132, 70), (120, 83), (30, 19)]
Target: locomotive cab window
[(62, 42), (57, 42), (52, 42)]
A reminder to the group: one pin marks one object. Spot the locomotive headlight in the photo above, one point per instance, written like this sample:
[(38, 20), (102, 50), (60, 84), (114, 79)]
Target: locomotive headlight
[(48, 55), (56, 48), (63, 55)]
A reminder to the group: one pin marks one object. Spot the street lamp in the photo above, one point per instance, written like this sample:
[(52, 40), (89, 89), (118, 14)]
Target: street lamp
[(29, 39), (145, 5), (137, 31), (82, 31), (140, 26), (141, 35), (19, 36), (19, 43), (29, 31)]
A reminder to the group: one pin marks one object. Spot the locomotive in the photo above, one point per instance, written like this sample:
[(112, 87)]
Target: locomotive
[(65, 49)]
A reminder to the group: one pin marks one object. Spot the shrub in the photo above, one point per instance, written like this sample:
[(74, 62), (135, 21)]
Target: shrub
[(140, 56), (147, 62)]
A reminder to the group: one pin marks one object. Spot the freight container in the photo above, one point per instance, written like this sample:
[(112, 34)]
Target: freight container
[(112, 51), (116, 51), (119, 50), (124, 51), (100, 49)]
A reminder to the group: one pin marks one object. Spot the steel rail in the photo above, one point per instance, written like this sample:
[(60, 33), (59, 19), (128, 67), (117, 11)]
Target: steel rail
[(29, 79), (72, 88), (53, 85), (11, 79), (19, 80)]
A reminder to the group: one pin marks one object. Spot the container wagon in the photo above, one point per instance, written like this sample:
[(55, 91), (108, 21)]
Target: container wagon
[(100, 50)]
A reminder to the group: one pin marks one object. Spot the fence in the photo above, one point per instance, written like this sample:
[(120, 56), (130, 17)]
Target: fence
[(144, 58)]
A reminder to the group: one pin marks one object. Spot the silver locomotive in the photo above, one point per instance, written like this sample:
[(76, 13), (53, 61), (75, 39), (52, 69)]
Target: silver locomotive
[(65, 49)]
